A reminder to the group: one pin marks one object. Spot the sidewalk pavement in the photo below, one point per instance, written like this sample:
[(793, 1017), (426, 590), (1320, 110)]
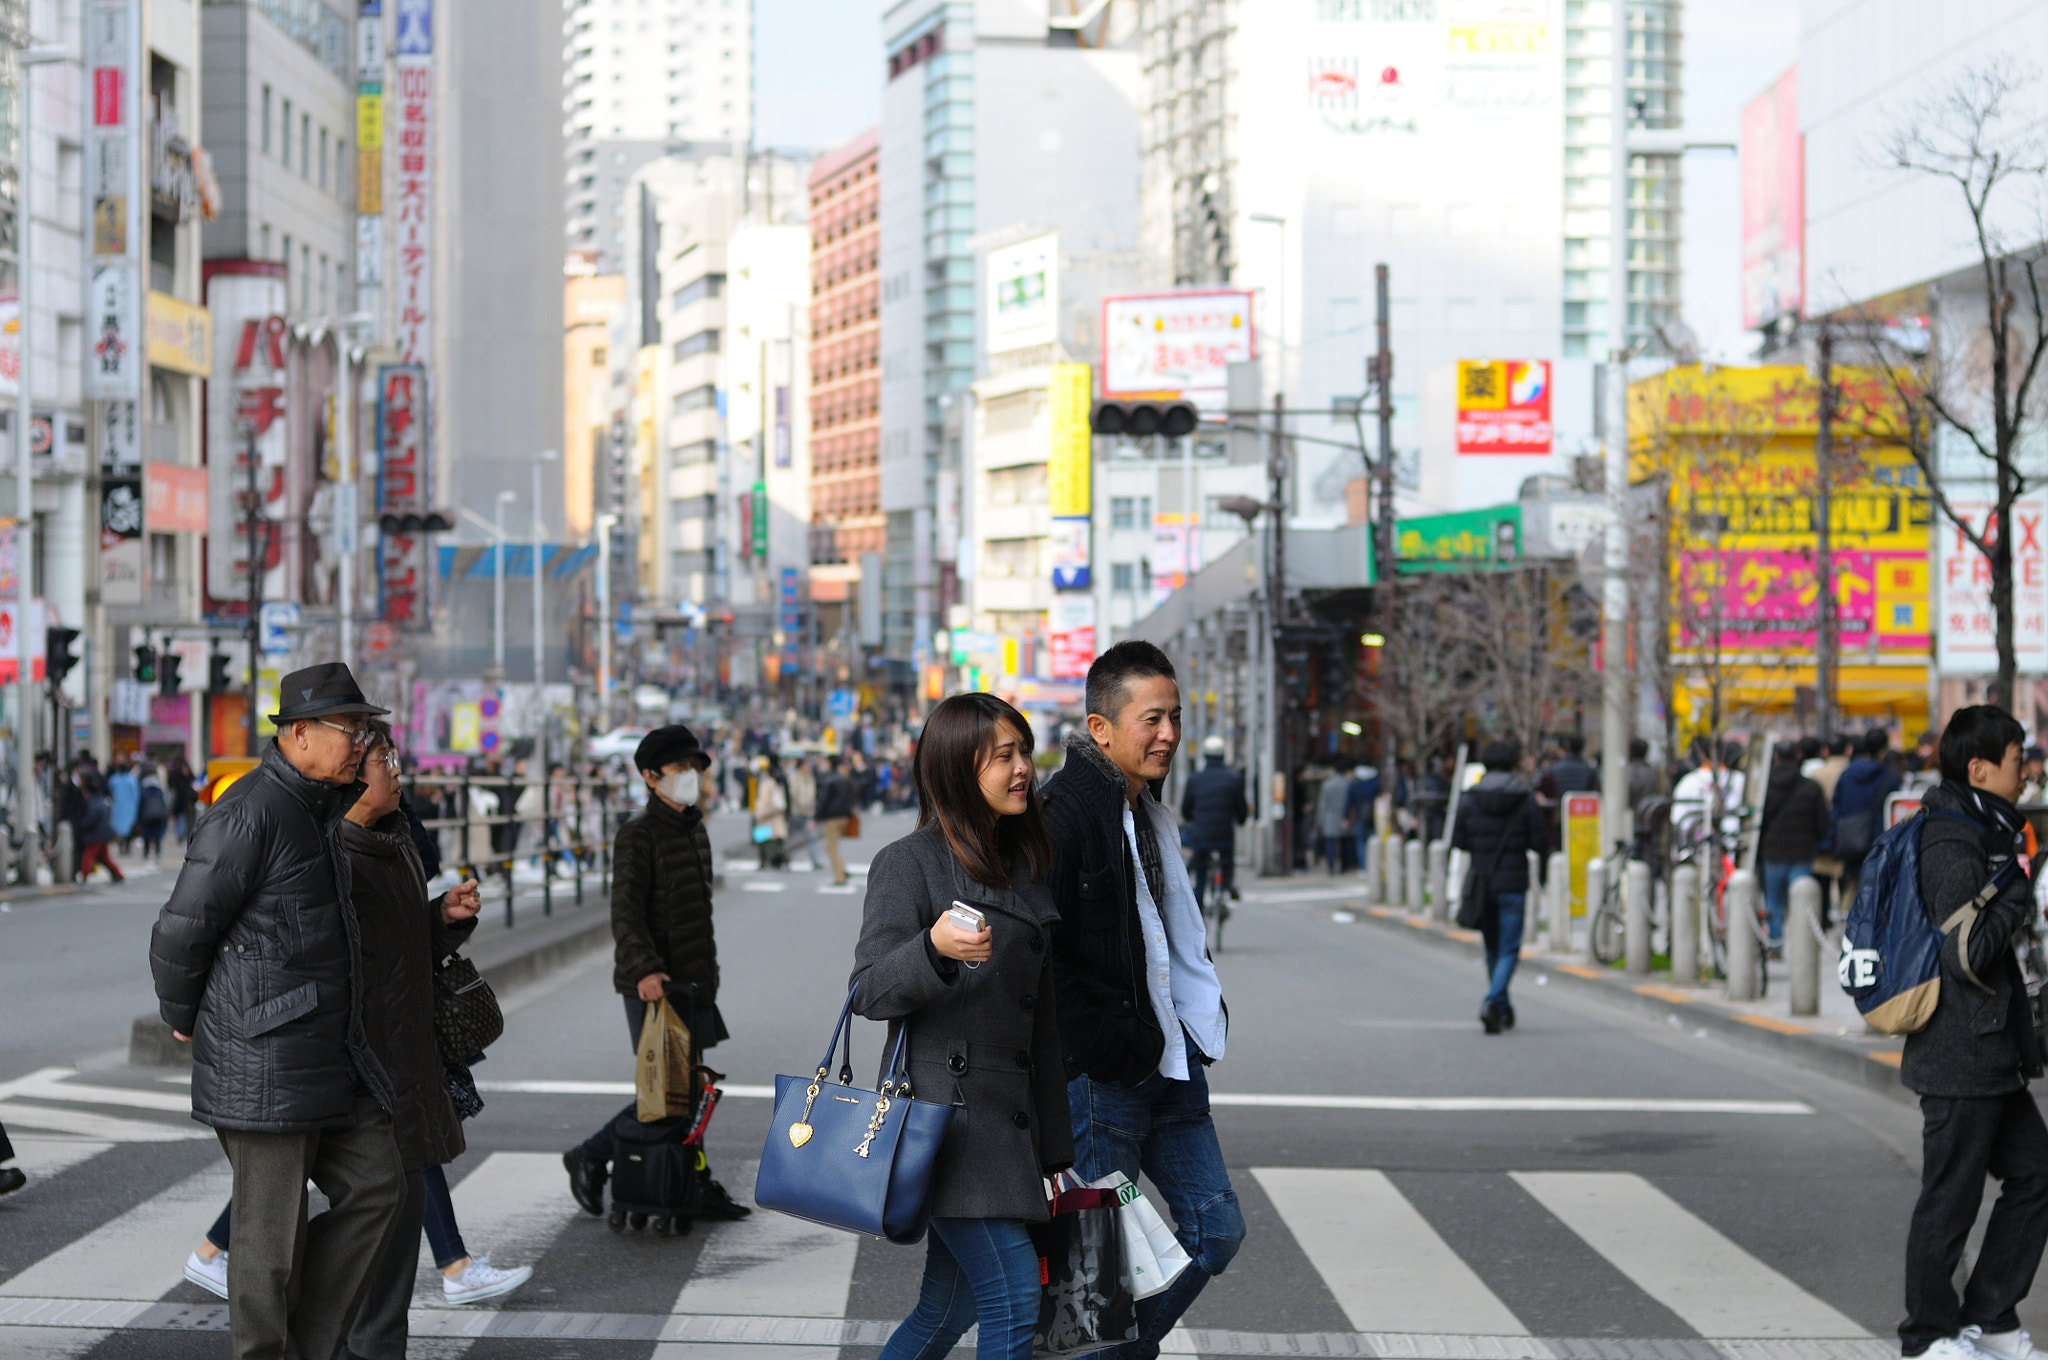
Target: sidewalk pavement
[(1835, 1042)]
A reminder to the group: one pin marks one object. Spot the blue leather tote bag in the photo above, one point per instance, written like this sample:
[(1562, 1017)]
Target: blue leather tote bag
[(851, 1158)]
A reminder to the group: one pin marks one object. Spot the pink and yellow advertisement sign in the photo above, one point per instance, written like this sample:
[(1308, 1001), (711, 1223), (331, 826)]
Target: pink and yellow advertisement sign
[(1768, 600)]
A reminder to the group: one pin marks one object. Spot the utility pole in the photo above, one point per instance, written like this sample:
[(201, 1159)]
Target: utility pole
[(539, 603), (1383, 529), (1276, 604), (604, 619), (1827, 650), (1615, 689), (258, 550)]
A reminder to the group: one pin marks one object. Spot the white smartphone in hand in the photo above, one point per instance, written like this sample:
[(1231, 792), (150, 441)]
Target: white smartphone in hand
[(968, 917)]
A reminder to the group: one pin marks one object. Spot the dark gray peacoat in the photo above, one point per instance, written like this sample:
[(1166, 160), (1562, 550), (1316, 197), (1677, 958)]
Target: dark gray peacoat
[(984, 1040)]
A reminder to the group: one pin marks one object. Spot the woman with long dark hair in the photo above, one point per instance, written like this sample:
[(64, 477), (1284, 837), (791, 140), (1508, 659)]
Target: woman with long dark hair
[(976, 1009)]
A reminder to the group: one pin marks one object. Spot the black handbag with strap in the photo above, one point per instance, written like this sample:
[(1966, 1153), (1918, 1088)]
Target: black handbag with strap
[(1479, 887), (467, 1019)]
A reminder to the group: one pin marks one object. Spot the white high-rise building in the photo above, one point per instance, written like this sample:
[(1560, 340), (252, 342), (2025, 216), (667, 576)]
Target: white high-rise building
[(640, 78)]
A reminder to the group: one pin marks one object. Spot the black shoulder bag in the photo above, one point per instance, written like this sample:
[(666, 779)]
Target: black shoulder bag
[(1478, 888)]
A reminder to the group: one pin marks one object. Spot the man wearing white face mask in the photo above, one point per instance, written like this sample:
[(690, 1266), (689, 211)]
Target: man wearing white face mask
[(661, 926)]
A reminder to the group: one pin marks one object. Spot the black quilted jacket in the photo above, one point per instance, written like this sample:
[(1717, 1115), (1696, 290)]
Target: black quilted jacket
[(661, 901), (256, 957)]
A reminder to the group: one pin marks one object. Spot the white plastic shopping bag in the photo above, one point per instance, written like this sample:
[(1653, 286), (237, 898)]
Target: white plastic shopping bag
[(1153, 1256)]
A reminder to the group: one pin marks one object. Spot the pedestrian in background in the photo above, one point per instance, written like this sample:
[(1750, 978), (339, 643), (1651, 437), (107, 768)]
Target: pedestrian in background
[(1795, 823), (1859, 806), (1361, 803), (152, 814), (1971, 1063), (1499, 822), (279, 1066), (770, 810), (950, 990), (1332, 826), (180, 784), (124, 796), (836, 795), (1141, 1009), (95, 830), (1213, 806), (803, 808), (663, 945)]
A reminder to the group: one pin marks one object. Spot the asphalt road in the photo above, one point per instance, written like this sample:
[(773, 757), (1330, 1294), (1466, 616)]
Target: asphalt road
[(1687, 1192)]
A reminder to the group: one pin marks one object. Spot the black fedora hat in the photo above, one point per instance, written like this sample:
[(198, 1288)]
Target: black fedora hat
[(320, 691)]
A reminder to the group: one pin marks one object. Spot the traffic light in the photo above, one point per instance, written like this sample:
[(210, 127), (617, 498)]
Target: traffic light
[(58, 658), (217, 681), (1170, 418), (433, 522), (145, 664), (167, 664)]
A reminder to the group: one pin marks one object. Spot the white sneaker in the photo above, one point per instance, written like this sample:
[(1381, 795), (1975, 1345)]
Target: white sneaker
[(1956, 1348), (210, 1275), (2013, 1345), (481, 1280)]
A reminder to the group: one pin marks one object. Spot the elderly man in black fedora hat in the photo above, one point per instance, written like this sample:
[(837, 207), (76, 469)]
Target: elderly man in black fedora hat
[(255, 958), (661, 926)]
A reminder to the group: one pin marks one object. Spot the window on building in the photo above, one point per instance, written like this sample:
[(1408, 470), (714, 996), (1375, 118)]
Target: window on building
[(698, 289), (1122, 578), (305, 146), (1130, 512), (285, 150), (323, 160), (696, 398), (597, 356), (703, 342), (266, 120)]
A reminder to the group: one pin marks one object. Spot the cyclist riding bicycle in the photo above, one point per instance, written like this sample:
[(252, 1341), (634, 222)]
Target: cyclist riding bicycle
[(1214, 806)]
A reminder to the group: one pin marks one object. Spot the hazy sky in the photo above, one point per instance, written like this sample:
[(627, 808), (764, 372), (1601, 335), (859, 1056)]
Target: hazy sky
[(818, 82)]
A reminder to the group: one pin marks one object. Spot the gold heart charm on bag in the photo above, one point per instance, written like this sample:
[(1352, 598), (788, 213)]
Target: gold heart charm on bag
[(799, 1134)]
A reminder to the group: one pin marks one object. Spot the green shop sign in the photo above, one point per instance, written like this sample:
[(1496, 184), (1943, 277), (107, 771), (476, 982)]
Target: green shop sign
[(1469, 540)]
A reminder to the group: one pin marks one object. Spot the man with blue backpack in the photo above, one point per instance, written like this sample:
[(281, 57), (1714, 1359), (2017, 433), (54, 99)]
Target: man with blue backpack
[(1972, 1058)]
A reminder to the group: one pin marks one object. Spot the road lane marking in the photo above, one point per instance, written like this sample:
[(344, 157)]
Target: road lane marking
[(49, 1084), (137, 1255), (43, 1158), (772, 1265), (1396, 1104), (1680, 1261), (102, 1127), (512, 1207), (1386, 1267)]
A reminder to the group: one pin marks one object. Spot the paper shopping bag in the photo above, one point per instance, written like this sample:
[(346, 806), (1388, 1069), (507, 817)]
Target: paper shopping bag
[(1153, 1256), (661, 1078)]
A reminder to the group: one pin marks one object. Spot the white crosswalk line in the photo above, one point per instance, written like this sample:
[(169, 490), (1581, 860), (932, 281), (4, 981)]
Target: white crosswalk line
[(1717, 1287), (43, 1158), (512, 1206), (767, 1265), (138, 1255), (107, 1128), (49, 1083), (1385, 1265)]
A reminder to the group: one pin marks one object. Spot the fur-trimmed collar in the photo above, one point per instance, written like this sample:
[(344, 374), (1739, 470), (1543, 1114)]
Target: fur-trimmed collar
[(1080, 746)]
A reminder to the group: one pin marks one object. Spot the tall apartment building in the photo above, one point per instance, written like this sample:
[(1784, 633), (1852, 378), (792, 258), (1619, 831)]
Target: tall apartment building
[(641, 80), (589, 301), (845, 372)]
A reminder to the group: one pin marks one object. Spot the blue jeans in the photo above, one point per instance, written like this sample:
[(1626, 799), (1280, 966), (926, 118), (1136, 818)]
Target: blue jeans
[(1779, 876), (1501, 928), (1161, 1128), (975, 1270)]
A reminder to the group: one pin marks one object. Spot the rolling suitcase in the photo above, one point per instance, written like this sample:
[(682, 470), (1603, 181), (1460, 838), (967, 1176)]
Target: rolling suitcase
[(658, 1169)]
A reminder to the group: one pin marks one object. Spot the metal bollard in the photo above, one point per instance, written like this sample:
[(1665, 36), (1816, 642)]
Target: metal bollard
[(1635, 918), (1439, 880), (1596, 888), (1372, 871), (1685, 924), (1560, 893), (1411, 874), (1390, 861), (1743, 949), (1803, 946)]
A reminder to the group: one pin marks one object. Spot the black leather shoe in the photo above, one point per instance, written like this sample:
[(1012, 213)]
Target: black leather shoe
[(1507, 1017), (586, 1180), (716, 1204), (1490, 1018), (12, 1178)]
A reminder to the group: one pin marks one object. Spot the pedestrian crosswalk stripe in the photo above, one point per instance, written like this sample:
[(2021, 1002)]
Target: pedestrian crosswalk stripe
[(139, 1254), (513, 1206), (49, 1083), (1385, 1265), (43, 1158), (99, 1126), (1715, 1286), (767, 1265)]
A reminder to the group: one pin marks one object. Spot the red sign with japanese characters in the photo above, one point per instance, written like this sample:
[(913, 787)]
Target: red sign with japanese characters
[(402, 490), (1504, 406)]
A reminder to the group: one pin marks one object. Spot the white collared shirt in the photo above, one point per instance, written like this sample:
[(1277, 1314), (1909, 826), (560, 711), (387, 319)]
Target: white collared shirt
[(1179, 976)]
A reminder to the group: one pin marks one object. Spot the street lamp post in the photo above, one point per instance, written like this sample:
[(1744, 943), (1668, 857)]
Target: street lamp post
[(1615, 689), (539, 534), (26, 60), (604, 620), (498, 588)]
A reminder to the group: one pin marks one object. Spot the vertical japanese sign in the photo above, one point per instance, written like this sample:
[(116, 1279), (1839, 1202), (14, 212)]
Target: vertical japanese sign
[(1071, 624), (113, 155), (1067, 476), (413, 185), (246, 433), (402, 489), (370, 154), (1967, 643)]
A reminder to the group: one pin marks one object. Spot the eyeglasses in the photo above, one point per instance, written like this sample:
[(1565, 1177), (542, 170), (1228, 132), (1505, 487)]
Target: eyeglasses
[(358, 736)]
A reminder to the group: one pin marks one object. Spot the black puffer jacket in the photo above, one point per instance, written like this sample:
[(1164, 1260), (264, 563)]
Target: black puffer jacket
[(1795, 818), (1213, 805), (661, 901), (1498, 815), (1108, 1029), (1980, 1040), (256, 957)]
